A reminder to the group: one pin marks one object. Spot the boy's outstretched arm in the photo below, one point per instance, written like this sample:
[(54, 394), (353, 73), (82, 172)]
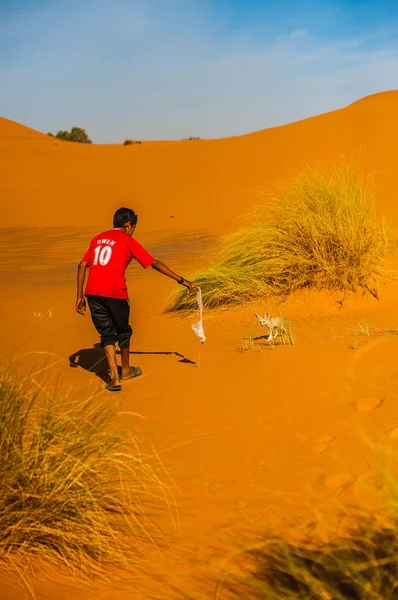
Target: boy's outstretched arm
[(159, 266), (80, 305)]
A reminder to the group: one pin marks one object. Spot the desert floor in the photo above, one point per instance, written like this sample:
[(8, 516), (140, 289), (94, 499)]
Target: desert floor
[(251, 436)]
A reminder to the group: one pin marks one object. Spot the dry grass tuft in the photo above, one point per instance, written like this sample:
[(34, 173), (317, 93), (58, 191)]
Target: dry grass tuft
[(363, 565), (72, 492), (322, 232), (360, 562)]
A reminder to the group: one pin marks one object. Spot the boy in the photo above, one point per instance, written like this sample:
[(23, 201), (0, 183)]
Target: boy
[(107, 258)]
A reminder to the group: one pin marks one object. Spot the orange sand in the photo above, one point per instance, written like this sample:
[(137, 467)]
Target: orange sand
[(250, 438)]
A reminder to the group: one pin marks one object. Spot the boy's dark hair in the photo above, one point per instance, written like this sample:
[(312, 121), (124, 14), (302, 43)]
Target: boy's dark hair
[(123, 216)]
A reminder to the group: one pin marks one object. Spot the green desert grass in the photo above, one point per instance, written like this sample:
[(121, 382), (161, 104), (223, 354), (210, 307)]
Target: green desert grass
[(360, 563), (72, 492), (320, 231)]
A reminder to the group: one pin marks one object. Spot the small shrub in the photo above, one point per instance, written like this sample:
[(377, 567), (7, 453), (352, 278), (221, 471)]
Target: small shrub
[(72, 492), (129, 142), (76, 134), (322, 232), (191, 138)]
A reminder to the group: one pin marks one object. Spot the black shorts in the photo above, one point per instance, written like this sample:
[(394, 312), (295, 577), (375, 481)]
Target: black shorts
[(111, 319)]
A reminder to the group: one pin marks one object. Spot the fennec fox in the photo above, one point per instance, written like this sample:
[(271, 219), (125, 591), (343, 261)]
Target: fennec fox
[(274, 324)]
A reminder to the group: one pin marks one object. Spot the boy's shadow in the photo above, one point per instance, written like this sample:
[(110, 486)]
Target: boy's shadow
[(94, 360)]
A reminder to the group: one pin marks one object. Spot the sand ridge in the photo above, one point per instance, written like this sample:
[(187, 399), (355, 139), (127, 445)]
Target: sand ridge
[(186, 185)]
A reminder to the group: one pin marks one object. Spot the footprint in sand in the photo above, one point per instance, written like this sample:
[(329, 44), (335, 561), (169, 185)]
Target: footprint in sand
[(368, 404), (321, 444), (339, 481), (393, 433)]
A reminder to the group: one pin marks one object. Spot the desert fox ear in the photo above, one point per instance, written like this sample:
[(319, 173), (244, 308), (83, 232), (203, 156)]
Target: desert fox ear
[(258, 316), (266, 316)]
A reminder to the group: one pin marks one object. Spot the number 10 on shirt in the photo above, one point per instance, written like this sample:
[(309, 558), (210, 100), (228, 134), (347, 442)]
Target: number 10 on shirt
[(102, 255)]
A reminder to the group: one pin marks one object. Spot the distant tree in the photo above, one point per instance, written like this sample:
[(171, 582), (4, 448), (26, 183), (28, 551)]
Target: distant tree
[(191, 138), (76, 134)]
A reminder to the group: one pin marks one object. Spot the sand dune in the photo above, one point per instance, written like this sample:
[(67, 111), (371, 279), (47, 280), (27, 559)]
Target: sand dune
[(206, 184), (250, 435)]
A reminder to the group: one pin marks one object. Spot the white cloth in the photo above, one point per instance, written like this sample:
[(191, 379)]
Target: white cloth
[(198, 327)]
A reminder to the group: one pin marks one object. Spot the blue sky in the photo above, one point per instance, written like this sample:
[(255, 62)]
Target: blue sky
[(168, 69)]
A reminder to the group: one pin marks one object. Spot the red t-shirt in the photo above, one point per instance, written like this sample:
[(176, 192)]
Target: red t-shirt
[(108, 256)]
